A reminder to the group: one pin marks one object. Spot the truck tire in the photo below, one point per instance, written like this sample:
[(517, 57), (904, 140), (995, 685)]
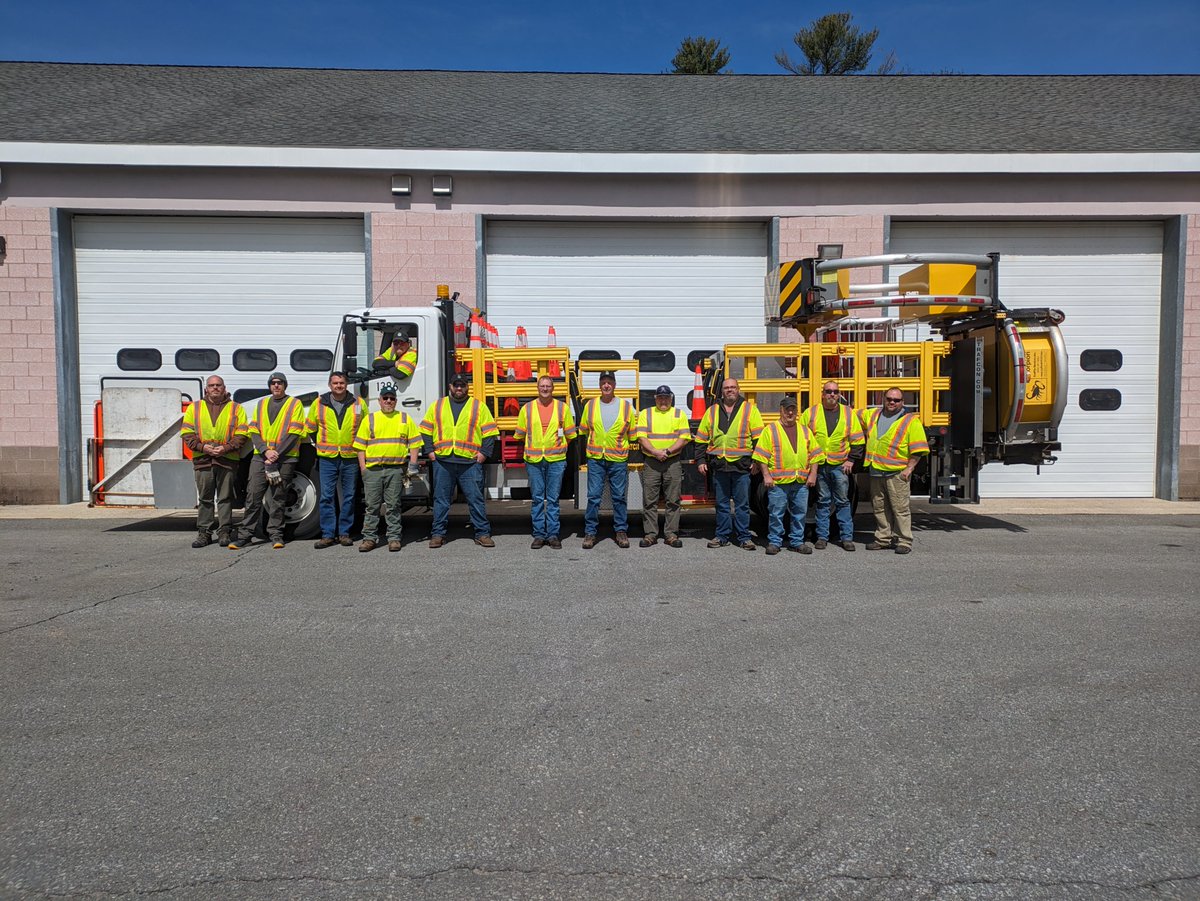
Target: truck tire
[(302, 511)]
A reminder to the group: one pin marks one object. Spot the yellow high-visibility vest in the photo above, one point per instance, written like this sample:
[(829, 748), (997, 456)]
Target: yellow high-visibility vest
[(463, 437), (846, 434), (891, 451), (330, 438), (785, 463), (231, 421), (738, 442), (406, 365), (610, 444), (290, 421), (387, 439), (663, 428), (548, 444)]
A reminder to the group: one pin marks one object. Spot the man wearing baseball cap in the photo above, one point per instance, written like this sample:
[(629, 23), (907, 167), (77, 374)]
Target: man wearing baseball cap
[(399, 360), (385, 442), (609, 423), (662, 432)]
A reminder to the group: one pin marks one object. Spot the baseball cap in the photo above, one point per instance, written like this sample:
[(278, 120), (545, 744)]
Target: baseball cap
[(401, 335), (788, 402), (664, 390), (459, 379), (608, 374), (387, 390)]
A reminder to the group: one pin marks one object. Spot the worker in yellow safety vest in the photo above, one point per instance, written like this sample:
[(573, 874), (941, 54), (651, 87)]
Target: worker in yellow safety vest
[(728, 431), (547, 426), (276, 430), (386, 444), (610, 424), (459, 434), (788, 457), (838, 429), (662, 432), (399, 360), (214, 430), (332, 423), (895, 443)]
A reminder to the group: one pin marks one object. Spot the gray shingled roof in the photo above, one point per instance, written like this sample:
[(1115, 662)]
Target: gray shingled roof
[(57, 102)]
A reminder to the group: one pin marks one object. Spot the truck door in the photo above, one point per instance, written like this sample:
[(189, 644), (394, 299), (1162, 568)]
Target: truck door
[(372, 339)]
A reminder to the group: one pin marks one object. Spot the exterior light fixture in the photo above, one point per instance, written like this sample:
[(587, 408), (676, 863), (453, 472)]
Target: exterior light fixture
[(402, 185), (829, 251), (443, 186)]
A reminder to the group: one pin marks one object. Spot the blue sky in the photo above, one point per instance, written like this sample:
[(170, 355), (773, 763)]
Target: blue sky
[(1017, 37)]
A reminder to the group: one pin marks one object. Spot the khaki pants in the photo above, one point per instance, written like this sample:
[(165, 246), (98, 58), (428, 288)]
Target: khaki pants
[(889, 502), (663, 478), (215, 483)]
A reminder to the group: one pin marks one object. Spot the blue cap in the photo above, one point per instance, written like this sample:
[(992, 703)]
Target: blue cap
[(664, 390)]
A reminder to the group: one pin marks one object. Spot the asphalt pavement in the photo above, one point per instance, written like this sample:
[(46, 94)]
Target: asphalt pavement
[(1009, 712)]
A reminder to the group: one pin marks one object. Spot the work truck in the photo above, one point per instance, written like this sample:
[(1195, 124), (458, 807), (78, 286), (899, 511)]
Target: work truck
[(989, 382)]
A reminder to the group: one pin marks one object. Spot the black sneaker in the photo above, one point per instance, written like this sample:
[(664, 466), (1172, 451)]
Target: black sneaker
[(238, 543)]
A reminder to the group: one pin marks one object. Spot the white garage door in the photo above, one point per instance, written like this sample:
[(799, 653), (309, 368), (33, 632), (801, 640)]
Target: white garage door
[(627, 287), (163, 298), (1107, 278)]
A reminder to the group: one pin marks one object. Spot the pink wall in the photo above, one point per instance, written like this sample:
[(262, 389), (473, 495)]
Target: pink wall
[(28, 385), (412, 252), (1189, 409)]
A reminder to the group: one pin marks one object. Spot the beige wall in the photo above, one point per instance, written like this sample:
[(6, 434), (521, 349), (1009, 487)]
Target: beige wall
[(414, 252), (28, 384)]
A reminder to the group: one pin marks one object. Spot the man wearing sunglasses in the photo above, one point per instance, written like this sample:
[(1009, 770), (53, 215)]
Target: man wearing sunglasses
[(895, 442), (838, 431), (276, 429)]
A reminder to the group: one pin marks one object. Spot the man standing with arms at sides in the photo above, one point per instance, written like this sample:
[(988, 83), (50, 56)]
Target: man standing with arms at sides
[(895, 441), (399, 360), (728, 430), (788, 457), (546, 426), (610, 425), (662, 431), (276, 430), (459, 434), (333, 422), (384, 442), (837, 429), (214, 430)]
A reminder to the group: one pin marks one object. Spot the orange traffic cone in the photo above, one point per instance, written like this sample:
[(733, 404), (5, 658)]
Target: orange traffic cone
[(524, 368), (552, 341), (698, 406)]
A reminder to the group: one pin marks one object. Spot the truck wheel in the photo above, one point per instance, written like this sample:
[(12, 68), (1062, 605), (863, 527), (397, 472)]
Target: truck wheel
[(301, 512)]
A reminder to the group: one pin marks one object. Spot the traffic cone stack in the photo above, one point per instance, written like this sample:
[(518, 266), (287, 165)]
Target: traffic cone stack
[(476, 338), (698, 405), (524, 368), (552, 341), (460, 341)]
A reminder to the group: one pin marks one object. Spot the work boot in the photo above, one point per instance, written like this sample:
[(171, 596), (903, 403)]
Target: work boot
[(203, 539), (820, 544), (803, 548), (718, 542), (622, 539), (345, 541), (748, 546), (648, 541), (847, 545), (393, 545), (485, 541), (903, 549), (238, 543), (877, 546), (555, 543), (277, 544), (672, 541), (437, 541), (367, 545), (223, 539), (537, 544), (324, 543), (589, 542), (772, 550)]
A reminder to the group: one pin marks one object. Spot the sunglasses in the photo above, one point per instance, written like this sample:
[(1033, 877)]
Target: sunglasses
[(828, 392), (276, 382), (894, 400), (387, 400)]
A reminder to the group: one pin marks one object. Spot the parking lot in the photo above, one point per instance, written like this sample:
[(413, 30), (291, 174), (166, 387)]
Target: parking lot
[(1009, 712)]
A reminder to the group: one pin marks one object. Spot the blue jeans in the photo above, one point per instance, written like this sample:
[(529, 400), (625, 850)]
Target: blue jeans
[(732, 484), (468, 476), (791, 498), (337, 473), (545, 485), (833, 489), (615, 474)]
